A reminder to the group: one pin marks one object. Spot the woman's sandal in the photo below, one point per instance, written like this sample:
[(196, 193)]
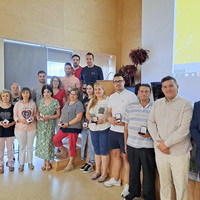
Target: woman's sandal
[(31, 166), (44, 166), (102, 178), (11, 168), (96, 175), (48, 166), (1, 169), (69, 168), (21, 168)]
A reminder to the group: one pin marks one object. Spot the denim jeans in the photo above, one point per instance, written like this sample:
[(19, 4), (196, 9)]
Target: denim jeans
[(86, 135)]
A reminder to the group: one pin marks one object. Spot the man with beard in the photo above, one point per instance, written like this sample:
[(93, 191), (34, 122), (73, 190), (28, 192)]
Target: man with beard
[(91, 73), (37, 89), (69, 81), (76, 71)]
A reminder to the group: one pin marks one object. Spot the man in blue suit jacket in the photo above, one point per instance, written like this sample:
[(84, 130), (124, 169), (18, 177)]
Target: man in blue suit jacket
[(195, 131)]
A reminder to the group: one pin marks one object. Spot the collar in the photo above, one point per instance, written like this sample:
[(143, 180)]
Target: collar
[(173, 100)]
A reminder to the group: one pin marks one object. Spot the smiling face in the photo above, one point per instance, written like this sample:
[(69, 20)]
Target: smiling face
[(75, 61), (98, 91), (89, 60), (73, 96), (68, 70), (55, 83), (47, 94), (170, 89), (25, 95), (42, 78), (89, 90), (5, 97)]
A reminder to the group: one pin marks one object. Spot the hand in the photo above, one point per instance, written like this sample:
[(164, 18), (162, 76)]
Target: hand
[(1, 123), (166, 151), (46, 118), (112, 121), (38, 118), (120, 123), (33, 118), (23, 121), (7, 125), (125, 148), (100, 121), (147, 135), (65, 125), (90, 120), (162, 147)]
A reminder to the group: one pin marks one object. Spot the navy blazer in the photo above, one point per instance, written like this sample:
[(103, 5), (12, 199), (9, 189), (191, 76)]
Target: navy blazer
[(195, 130)]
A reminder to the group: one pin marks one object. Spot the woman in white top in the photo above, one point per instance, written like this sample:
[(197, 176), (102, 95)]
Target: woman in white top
[(99, 126)]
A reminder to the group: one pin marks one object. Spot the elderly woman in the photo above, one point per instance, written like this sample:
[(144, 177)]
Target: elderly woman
[(70, 126), (25, 128), (99, 127), (6, 129), (48, 111)]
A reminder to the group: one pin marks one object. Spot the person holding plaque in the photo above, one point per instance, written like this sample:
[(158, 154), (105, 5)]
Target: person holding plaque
[(118, 102), (139, 146)]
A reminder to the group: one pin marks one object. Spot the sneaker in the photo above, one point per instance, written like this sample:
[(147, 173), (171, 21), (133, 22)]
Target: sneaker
[(112, 182), (89, 168), (84, 166), (125, 191), (131, 198)]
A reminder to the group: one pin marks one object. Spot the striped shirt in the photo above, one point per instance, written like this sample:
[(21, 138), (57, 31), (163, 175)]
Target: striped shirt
[(137, 116)]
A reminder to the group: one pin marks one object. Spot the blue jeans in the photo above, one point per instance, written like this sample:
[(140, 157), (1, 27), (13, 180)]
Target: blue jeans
[(100, 142), (86, 135)]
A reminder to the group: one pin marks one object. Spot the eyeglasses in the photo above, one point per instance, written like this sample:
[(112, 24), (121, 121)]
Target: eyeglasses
[(120, 81)]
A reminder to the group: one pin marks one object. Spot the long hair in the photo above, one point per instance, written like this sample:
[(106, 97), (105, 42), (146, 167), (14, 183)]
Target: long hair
[(60, 86), (95, 99)]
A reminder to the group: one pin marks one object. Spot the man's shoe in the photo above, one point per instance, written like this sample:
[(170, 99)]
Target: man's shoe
[(89, 168), (125, 191), (131, 198), (112, 182), (84, 166)]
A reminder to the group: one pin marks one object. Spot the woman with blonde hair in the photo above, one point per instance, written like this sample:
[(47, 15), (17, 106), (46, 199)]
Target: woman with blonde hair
[(6, 129), (25, 129), (99, 126)]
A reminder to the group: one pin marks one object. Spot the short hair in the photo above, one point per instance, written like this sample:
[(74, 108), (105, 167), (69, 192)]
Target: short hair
[(75, 55), (90, 54), (77, 91), (42, 72), (67, 63), (15, 84), (48, 87), (167, 78), (60, 83), (23, 90), (118, 75), (144, 85), (6, 91)]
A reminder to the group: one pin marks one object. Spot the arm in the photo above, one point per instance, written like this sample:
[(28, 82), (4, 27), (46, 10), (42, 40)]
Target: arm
[(183, 130), (152, 126), (57, 115), (77, 119), (111, 119), (88, 116), (34, 94), (125, 136), (194, 130), (100, 74)]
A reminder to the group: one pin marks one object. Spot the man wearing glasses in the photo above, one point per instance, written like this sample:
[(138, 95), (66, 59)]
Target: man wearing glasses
[(168, 124), (118, 102)]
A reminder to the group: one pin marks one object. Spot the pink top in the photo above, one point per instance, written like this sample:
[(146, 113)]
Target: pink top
[(24, 111), (69, 83), (59, 96)]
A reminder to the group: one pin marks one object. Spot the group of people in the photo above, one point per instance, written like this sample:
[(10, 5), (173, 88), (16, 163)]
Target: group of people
[(127, 127)]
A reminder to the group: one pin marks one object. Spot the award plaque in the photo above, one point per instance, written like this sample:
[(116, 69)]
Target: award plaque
[(143, 130), (85, 125), (69, 89), (29, 120), (5, 122), (118, 117), (94, 119)]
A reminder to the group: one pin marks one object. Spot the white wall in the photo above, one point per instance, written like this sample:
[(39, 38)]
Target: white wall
[(157, 36)]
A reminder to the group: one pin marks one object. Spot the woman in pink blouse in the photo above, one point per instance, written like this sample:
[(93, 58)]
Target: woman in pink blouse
[(25, 128)]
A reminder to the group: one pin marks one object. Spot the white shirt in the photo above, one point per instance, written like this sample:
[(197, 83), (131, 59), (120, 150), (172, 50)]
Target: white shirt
[(118, 102)]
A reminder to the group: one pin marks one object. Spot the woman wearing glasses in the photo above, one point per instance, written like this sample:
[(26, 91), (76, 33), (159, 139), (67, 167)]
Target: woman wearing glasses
[(70, 126)]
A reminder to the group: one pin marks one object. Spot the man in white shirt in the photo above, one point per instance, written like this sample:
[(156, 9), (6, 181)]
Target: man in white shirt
[(118, 102), (168, 125)]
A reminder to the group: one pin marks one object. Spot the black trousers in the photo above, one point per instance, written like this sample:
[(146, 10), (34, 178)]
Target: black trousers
[(144, 158)]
